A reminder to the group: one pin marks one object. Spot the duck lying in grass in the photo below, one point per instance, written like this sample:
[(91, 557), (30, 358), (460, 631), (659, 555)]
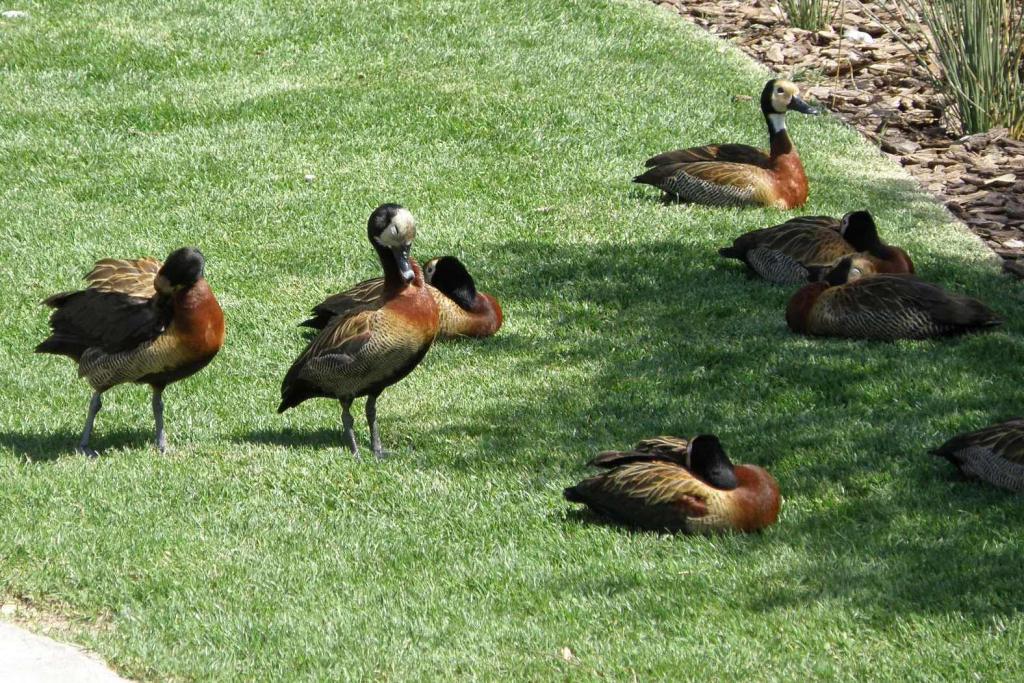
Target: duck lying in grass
[(369, 342), (670, 484), (464, 311), (804, 248), (882, 307), (739, 175), (137, 321), (994, 455)]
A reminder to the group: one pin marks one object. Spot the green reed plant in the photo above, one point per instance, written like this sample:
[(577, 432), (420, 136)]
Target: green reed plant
[(811, 15), (975, 50)]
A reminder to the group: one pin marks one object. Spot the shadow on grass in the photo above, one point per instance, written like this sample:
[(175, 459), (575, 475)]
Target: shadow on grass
[(905, 534), (52, 446)]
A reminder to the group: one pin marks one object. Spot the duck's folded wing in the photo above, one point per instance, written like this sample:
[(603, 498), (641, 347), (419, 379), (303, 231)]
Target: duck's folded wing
[(905, 292), (132, 277), (653, 495), (362, 295), (1005, 440), (659, 448), (741, 154), (111, 321)]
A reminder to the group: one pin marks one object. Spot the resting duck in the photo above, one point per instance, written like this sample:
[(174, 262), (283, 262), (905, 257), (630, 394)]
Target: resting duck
[(804, 248), (464, 311), (669, 484), (739, 175), (369, 342), (994, 454), (137, 321), (882, 307)]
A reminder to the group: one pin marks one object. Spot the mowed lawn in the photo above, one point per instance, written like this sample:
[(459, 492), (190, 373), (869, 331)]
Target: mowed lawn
[(257, 548)]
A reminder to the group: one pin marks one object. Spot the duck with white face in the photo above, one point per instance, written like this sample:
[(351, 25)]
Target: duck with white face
[(735, 174), (370, 338)]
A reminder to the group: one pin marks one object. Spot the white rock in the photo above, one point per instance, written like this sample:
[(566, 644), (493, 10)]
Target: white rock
[(13, 14), (1013, 244), (858, 36), (309, 177)]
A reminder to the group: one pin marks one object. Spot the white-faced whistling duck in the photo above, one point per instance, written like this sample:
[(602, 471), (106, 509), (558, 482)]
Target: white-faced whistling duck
[(884, 307), (994, 455), (669, 484), (803, 248), (137, 321), (739, 175), (464, 311), (372, 341)]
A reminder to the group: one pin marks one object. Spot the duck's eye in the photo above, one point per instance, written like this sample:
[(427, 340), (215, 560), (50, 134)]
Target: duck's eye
[(781, 91), (855, 272)]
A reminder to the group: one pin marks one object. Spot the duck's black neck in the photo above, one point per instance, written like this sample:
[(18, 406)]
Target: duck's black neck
[(392, 276), (777, 135)]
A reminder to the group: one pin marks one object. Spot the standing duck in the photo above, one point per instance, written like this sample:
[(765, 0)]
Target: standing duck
[(882, 307), (739, 175), (994, 454), (137, 321), (803, 248), (669, 484), (464, 311), (370, 341)]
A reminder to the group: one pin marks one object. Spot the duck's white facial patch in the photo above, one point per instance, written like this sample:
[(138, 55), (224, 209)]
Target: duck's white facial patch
[(778, 122), (428, 272), (400, 231), (783, 95)]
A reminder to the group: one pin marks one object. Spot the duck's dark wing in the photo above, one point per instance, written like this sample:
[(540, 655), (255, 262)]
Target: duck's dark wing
[(119, 311), (739, 154), (1005, 440), (358, 296), (337, 349), (649, 495), (902, 295), (994, 454)]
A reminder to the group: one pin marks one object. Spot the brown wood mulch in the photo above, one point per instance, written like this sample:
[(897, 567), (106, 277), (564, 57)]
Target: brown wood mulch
[(882, 90)]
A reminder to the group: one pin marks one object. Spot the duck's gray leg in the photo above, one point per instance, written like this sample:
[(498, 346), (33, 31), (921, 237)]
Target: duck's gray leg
[(158, 418), (347, 422), (94, 407), (371, 417)]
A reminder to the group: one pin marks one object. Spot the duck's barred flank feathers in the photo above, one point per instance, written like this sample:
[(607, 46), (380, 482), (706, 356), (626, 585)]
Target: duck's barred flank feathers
[(776, 266), (994, 455), (690, 188), (890, 307)]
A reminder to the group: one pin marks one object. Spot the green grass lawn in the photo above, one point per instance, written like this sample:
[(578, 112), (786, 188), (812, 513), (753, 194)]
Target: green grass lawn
[(257, 548)]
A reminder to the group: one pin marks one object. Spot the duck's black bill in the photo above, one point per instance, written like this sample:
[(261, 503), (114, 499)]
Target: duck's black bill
[(796, 104), (402, 261)]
